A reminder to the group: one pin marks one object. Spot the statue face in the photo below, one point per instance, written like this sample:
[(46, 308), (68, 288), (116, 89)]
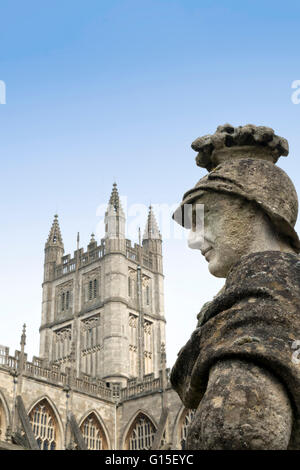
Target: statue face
[(229, 232)]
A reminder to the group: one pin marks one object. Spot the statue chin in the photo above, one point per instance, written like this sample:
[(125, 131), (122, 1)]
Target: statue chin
[(216, 271), (217, 268)]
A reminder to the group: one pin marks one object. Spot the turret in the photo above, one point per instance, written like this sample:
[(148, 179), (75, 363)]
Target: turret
[(152, 240), (54, 250), (115, 315), (114, 216)]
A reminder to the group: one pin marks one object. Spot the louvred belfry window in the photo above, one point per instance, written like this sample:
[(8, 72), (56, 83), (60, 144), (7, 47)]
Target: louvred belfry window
[(44, 426), (92, 289)]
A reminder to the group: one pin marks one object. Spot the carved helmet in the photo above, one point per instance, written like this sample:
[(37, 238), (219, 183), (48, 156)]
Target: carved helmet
[(241, 161)]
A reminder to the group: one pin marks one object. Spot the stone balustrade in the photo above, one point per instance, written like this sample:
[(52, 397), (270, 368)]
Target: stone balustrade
[(52, 374)]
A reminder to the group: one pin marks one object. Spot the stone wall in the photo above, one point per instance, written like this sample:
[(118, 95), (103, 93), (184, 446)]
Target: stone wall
[(115, 408)]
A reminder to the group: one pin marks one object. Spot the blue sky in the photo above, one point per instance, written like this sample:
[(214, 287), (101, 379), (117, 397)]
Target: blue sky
[(99, 91)]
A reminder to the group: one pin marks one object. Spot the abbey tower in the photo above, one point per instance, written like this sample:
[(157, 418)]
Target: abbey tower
[(103, 308), (101, 380)]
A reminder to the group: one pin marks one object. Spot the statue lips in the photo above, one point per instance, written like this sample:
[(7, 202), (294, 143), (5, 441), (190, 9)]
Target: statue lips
[(206, 252)]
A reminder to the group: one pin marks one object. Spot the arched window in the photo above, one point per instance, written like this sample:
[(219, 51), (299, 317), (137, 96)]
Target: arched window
[(63, 302), (187, 418), (141, 434), (93, 433), (95, 288), (44, 425)]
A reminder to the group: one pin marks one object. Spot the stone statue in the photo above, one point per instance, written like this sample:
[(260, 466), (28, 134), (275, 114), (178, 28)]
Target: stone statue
[(237, 368)]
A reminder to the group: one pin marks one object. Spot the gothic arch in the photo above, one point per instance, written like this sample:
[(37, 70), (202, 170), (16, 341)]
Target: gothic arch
[(5, 418), (178, 426), (51, 407), (132, 423), (105, 436)]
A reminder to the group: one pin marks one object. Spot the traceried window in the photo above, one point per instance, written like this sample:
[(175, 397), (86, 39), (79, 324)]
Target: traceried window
[(141, 434), (188, 417), (90, 344), (148, 354), (93, 434), (62, 343), (44, 426), (133, 344)]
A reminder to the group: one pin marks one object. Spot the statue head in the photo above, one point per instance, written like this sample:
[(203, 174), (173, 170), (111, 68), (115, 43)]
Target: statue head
[(250, 204)]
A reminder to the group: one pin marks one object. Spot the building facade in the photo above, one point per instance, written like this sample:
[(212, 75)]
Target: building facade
[(100, 381)]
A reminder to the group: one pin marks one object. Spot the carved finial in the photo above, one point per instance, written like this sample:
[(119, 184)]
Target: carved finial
[(55, 237), (114, 200), (23, 337), (151, 229)]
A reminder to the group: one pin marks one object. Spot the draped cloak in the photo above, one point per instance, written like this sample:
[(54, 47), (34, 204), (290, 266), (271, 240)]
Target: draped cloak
[(256, 318)]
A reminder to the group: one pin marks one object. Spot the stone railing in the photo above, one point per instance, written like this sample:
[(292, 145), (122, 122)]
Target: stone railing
[(7, 361), (135, 389), (52, 374), (97, 388)]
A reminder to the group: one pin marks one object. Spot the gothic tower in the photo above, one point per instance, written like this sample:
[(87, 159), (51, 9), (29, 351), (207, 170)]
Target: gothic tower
[(54, 250), (103, 308)]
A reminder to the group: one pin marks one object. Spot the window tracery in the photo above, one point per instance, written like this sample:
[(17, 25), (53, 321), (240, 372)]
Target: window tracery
[(91, 286), (62, 344), (64, 297), (44, 426), (93, 433), (141, 434)]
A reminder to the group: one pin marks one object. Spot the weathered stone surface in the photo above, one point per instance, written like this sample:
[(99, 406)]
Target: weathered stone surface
[(238, 367), (212, 149), (255, 180), (256, 318), (244, 407)]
